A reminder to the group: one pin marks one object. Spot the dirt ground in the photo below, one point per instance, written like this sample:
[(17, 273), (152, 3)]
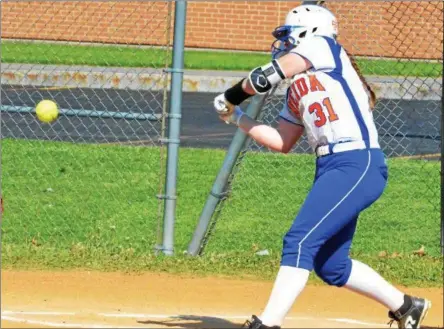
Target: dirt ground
[(115, 300)]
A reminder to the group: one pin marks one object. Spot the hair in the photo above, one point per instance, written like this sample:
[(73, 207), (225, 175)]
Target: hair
[(370, 91)]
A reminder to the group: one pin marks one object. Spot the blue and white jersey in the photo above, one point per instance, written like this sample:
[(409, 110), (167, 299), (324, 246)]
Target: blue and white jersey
[(330, 100)]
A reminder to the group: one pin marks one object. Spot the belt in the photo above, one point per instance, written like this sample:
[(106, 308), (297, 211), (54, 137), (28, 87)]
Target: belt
[(323, 150)]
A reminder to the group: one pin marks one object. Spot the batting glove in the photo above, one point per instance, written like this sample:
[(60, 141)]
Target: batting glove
[(222, 106), (227, 112)]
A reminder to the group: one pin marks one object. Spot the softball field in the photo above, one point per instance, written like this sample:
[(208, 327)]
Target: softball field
[(113, 300)]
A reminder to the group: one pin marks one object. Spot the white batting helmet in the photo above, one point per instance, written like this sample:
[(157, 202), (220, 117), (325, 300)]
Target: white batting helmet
[(302, 22)]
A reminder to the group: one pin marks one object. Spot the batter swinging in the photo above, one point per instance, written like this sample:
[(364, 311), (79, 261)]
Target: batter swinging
[(331, 102)]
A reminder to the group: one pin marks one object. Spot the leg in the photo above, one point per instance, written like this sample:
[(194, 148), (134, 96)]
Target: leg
[(335, 201), (325, 212), (301, 243), (333, 266), (365, 281), (408, 311), (332, 263), (289, 283)]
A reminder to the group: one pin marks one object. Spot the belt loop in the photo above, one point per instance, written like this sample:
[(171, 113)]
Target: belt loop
[(330, 148)]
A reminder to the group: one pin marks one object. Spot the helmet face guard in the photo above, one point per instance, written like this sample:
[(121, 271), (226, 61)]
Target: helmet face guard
[(284, 40), (283, 32)]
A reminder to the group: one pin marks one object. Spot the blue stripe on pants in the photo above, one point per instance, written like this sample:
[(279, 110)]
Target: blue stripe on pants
[(346, 183)]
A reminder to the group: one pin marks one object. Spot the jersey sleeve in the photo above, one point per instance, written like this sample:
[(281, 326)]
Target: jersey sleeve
[(318, 52), (287, 115)]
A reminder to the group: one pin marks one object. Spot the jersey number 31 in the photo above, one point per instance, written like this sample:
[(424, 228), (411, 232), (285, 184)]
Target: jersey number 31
[(318, 110)]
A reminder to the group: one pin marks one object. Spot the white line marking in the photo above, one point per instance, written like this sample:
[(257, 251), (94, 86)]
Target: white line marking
[(170, 316), (37, 313), (221, 316), (356, 322), (186, 316), (136, 315), (5, 316), (58, 324)]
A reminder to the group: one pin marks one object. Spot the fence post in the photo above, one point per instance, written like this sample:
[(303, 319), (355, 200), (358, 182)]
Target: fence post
[(174, 117), (442, 165), (219, 186)]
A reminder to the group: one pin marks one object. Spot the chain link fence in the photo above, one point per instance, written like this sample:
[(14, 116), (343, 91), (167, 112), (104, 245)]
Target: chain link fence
[(403, 63), (83, 184)]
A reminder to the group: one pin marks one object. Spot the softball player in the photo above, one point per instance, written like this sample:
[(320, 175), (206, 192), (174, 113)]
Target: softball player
[(331, 102)]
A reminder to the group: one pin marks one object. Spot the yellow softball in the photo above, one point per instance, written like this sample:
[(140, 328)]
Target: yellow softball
[(47, 111)]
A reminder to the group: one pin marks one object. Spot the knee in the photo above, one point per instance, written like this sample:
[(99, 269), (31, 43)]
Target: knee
[(334, 274), (295, 254), (291, 242)]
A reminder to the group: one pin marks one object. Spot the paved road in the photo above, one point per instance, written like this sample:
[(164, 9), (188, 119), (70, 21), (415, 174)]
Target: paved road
[(406, 127)]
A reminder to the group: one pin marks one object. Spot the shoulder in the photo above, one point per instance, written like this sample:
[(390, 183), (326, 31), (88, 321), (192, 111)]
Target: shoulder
[(320, 51)]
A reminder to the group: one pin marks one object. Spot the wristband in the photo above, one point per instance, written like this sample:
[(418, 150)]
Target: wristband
[(236, 94)]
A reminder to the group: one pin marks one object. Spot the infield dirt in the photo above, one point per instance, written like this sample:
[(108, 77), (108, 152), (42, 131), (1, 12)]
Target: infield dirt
[(154, 300)]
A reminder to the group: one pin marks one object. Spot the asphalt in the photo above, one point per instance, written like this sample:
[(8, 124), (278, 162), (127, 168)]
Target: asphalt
[(406, 127)]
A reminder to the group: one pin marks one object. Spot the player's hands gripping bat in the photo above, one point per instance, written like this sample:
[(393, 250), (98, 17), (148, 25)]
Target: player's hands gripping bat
[(226, 111)]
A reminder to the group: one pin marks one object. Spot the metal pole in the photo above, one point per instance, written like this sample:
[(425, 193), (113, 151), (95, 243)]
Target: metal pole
[(442, 166), (1, 152), (219, 186), (174, 117)]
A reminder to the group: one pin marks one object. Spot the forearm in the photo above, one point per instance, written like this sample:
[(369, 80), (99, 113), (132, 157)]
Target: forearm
[(263, 134), (247, 87)]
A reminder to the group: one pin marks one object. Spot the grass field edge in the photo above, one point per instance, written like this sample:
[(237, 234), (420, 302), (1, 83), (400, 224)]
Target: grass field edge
[(218, 60)]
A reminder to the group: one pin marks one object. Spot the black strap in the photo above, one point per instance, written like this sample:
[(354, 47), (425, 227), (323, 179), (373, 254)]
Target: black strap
[(236, 94)]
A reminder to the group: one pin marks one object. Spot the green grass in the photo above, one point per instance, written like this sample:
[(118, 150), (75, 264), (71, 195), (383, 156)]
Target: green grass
[(94, 207), (119, 56)]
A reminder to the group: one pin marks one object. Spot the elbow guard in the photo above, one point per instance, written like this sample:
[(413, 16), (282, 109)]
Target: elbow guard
[(262, 79)]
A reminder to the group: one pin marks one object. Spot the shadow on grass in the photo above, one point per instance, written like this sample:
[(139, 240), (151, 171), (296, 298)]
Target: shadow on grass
[(193, 321)]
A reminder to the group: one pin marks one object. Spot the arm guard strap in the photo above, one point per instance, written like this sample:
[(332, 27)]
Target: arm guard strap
[(262, 79)]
